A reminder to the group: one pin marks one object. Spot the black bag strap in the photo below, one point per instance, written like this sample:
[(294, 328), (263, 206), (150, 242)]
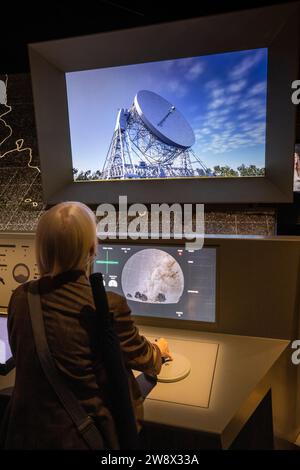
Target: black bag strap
[(121, 405), (84, 423)]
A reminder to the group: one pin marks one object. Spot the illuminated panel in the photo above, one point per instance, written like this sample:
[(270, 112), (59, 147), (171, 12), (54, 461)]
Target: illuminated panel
[(5, 352), (17, 265)]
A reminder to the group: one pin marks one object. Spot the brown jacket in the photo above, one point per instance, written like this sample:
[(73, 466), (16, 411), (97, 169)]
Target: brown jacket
[(35, 419)]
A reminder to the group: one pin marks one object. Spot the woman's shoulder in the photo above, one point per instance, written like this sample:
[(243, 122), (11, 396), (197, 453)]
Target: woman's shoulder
[(19, 295), (21, 291)]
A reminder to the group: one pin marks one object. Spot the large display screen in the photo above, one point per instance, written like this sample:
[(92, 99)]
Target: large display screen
[(161, 281), (191, 117)]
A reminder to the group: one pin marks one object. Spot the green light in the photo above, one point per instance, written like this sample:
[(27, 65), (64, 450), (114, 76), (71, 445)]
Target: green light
[(104, 261)]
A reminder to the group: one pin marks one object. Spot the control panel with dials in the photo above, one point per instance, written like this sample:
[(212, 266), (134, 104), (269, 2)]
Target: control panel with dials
[(17, 264)]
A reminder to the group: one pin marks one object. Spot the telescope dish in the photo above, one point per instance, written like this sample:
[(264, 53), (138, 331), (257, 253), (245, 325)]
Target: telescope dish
[(164, 120)]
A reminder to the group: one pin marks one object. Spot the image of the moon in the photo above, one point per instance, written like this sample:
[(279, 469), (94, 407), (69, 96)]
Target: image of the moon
[(152, 276)]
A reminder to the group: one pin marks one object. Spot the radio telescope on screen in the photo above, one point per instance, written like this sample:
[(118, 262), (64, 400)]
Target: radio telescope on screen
[(152, 139)]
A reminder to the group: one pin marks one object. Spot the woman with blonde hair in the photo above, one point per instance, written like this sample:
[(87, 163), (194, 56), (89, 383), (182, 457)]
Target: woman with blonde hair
[(65, 246)]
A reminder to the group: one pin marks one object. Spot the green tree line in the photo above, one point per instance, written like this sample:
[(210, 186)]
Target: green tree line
[(225, 171)]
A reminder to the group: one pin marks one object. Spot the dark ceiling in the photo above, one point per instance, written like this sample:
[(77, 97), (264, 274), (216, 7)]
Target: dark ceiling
[(26, 22)]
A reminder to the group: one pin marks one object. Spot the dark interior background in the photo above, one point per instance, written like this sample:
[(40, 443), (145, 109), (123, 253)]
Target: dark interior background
[(27, 22)]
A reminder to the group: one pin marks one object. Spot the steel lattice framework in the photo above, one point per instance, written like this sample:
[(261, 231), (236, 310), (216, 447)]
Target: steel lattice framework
[(135, 152)]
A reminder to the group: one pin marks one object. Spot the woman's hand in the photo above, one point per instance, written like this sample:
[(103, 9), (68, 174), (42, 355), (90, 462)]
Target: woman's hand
[(163, 345)]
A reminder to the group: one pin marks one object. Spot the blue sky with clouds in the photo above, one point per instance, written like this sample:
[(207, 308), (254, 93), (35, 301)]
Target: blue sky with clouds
[(223, 97)]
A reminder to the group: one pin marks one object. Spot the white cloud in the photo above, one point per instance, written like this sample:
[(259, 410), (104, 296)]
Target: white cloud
[(177, 87), (260, 112), (222, 106), (257, 88), (235, 87), (216, 103), (246, 64), (250, 103), (232, 99), (219, 135), (211, 84), (194, 71), (217, 92), (205, 130), (218, 112), (243, 116), (235, 113), (216, 122)]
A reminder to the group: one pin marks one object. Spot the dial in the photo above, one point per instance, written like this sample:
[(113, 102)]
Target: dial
[(21, 273)]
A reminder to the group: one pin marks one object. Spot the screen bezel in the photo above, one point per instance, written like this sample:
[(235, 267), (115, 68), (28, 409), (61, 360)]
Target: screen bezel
[(174, 322), (275, 28)]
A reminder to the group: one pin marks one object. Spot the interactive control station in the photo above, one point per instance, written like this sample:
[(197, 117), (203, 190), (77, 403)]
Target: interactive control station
[(220, 308), (208, 304), (165, 282)]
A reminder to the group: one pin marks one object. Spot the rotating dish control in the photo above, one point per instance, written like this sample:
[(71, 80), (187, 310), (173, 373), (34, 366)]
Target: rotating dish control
[(21, 273)]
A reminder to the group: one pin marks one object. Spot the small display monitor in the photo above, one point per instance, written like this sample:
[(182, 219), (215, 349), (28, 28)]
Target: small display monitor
[(161, 281), (297, 168), (5, 351)]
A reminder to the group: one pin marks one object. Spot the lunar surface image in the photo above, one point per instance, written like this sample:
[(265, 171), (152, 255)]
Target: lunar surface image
[(152, 276)]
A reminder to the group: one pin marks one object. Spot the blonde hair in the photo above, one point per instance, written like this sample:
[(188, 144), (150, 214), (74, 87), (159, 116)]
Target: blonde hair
[(65, 238)]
